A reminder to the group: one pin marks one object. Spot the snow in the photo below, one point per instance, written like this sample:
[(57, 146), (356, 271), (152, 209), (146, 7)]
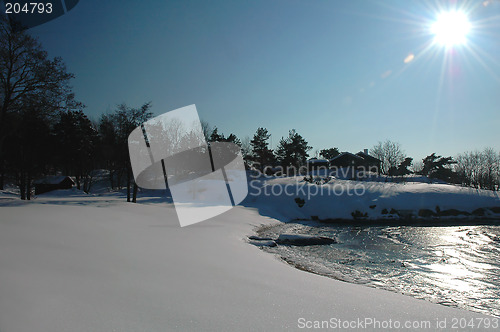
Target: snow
[(338, 199), (96, 263)]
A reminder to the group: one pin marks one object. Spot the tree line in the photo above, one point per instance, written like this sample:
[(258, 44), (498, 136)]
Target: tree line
[(44, 131), (477, 169)]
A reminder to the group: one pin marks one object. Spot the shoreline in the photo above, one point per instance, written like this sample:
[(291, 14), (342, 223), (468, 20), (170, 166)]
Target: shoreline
[(416, 222), (263, 229)]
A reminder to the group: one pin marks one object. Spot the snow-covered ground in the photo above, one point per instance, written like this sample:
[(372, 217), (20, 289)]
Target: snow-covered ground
[(289, 198), (75, 262)]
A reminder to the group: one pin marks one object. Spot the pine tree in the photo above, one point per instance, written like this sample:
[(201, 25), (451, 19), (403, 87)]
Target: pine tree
[(438, 167), (292, 150), (329, 153), (76, 140), (261, 154), (216, 137)]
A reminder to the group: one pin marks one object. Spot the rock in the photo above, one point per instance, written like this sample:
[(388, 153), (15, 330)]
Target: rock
[(269, 243), (304, 240), (258, 238)]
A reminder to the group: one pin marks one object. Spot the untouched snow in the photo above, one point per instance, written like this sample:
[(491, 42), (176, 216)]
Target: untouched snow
[(339, 198), (88, 263)]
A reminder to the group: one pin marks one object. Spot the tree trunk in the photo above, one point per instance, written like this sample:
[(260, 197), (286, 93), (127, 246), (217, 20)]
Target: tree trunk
[(128, 185), (2, 174), (22, 186), (88, 183), (134, 197), (111, 173), (28, 186)]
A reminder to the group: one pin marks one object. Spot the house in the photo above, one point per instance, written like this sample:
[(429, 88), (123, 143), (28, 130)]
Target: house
[(353, 164), (315, 163), (346, 159), (371, 163), (50, 183)]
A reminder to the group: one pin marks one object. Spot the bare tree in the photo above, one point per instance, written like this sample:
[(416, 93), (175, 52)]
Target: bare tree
[(489, 163), (479, 169), (390, 153), (207, 129), (115, 129), (32, 86)]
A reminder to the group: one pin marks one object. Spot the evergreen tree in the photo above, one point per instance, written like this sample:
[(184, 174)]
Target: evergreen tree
[(216, 137), (233, 139), (402, 169), (76, 140), (438, 167), (292, 150), (260, 153), (329, 153)]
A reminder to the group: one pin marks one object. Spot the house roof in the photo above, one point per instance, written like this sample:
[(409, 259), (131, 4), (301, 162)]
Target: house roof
[(53, 179), (367, 156), (344, 154), (316, 160)]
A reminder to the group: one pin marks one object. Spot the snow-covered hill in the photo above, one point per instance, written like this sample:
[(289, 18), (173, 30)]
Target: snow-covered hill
[(288, 198)]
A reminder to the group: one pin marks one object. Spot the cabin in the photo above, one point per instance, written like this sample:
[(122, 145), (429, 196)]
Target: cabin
[(354, 165), (346, 159), (50, 183), (370, 163), (315, 164)]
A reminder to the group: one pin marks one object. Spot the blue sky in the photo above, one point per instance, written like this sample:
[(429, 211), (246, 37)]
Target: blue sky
[(333, 70)]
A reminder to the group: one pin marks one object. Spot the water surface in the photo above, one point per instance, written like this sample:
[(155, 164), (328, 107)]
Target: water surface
[(451, 265)]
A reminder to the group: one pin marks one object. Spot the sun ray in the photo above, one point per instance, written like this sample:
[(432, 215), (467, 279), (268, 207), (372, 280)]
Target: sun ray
[(474, 52)]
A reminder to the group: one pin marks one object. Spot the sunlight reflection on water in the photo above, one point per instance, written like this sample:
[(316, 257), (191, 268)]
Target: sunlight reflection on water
[(453, 265)]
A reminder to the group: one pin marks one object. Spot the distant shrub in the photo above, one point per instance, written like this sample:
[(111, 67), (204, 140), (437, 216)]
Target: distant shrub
[(394, 211), (479, 212), (453, 213), (495, 209), (426, 213), (384, 211), (358, 215)]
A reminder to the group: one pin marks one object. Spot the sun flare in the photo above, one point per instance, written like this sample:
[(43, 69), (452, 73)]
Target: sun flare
[(451, 28)]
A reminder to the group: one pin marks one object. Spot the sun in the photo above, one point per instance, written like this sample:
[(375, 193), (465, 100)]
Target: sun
[(451, 28)]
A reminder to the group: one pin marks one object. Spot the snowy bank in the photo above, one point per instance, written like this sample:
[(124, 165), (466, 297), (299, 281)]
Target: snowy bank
[(290, 198), (88, 263)]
